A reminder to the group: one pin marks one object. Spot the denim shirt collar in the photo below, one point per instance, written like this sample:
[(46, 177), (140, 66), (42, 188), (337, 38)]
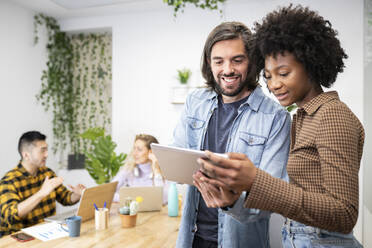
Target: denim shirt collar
[(254, 100)]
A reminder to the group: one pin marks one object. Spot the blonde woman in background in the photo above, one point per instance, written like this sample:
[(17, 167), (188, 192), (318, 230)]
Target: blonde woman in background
[(142, 167)]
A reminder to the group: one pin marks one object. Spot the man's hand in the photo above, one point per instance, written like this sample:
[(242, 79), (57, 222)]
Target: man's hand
[(78, 189), (49, 185), (214, 196), (30, 203), (76, 192), (236, 172)]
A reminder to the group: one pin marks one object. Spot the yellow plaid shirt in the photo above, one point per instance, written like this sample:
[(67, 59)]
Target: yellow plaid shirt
[(16, 186)]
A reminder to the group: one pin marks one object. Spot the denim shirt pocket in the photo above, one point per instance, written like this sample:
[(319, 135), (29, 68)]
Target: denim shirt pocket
[(194, 132), (251, 145)]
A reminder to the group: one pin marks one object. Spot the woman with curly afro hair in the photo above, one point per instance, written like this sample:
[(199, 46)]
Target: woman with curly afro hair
[(299, 52)]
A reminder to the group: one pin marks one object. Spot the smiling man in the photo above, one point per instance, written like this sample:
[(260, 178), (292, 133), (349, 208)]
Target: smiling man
[(29, 191), (231, 115)]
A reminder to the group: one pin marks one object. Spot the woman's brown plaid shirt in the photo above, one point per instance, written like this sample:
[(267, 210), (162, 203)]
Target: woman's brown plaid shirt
[(326, 148)]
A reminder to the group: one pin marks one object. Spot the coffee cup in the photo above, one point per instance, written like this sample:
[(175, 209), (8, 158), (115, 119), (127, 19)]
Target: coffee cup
[(73, 224)]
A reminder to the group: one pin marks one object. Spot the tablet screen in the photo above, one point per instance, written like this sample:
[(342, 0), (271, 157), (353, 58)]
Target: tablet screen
[(178, 164)]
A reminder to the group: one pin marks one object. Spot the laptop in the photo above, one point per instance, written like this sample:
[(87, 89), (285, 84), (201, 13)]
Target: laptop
[(152, 197), (98, 195)]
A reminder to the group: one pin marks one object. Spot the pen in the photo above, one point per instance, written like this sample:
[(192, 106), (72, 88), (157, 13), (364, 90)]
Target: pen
[(95, 206), (104, 205)]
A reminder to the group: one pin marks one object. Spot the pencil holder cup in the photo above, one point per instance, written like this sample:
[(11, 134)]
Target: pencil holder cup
[(128, 220), (101, 218)]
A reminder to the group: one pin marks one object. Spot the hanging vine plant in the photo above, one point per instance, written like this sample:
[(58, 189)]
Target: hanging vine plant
[(76, 85), (92, 78), (179, 5), (57, 91)]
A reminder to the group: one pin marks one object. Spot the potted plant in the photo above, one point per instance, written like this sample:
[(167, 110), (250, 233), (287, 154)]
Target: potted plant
[(128, 213), (76, 161), (101, 161), (179, 93), (92, 79), (184, 75)]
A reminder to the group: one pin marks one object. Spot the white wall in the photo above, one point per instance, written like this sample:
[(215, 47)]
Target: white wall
[(148, 47), (21, 64)]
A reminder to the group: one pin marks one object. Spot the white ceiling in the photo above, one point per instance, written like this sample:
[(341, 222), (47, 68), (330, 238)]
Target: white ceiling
[(76, 8)]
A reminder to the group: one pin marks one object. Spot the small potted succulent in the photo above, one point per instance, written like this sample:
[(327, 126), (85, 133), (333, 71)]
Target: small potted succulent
[(184, 75), (180, 92), (128, 213)]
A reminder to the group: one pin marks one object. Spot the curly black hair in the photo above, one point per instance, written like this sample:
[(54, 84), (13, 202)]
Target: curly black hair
[(305, 34)]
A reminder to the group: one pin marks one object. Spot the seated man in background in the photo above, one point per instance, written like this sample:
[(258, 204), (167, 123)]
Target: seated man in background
[(29, 191)]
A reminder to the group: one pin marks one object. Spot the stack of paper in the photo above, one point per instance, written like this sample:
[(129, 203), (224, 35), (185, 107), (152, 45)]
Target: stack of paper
[(46, 232)]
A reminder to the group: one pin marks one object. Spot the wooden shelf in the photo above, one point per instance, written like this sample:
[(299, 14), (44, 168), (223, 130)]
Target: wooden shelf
[(179, 93)]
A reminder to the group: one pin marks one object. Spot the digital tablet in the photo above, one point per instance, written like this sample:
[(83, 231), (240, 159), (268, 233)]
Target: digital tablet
[(178, 164)]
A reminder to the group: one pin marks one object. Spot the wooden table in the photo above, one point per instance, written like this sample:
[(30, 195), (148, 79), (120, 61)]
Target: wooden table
[(153, 229)]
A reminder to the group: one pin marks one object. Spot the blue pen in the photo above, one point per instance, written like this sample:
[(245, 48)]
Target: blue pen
[(95, 206), (104, 205)]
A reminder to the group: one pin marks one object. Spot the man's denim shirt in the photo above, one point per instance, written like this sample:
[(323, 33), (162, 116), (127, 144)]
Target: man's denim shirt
[(260, 131)]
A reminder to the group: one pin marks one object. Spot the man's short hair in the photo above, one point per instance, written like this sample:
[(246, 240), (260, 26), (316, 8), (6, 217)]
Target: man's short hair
[(28, 138), (228, 31)]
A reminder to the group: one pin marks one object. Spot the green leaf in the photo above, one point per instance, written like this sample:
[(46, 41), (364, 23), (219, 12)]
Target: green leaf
[(184, 75), (93, 133), (291, 107), (102, 162), (179, 5)]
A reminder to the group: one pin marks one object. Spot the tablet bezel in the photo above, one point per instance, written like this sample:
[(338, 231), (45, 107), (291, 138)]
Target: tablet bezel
[(178, 164)]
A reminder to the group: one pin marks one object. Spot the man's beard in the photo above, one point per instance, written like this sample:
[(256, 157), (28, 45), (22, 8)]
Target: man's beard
[(223, 92)]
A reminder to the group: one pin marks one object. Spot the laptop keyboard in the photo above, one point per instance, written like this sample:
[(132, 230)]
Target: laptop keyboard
[(60, 218)]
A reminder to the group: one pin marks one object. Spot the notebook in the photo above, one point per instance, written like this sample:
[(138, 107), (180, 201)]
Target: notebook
[(98, 195), (152, 197)]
